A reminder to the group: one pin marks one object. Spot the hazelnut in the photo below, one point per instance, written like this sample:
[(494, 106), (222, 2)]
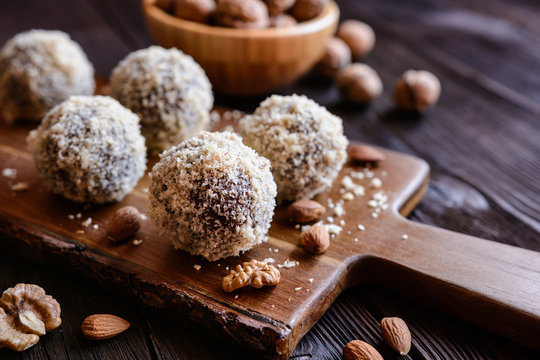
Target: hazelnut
[(359, 83), (276, 7), (358, 35), (416, 90), (125, 222), (307, 9), (335, 57), (194, 10), (316, 239), (248, 14), (282, 20)]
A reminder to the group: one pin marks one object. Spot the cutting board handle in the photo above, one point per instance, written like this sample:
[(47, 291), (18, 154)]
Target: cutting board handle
[(493, 285)]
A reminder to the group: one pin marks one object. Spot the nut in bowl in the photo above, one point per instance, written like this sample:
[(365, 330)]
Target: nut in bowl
[(245, 61)]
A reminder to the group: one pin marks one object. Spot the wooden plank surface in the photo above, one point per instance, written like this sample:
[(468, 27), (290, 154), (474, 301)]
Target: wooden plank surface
[(480, 141)]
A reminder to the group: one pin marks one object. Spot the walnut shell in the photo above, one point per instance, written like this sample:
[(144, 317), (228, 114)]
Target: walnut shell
[(359, 83), (249, 14), (276, 7), (335, 57), (358, 35), (416, 90), (194, 10), (307, 9)]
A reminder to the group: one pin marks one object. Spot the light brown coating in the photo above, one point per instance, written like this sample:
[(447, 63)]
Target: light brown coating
[(168, 90), (212, 196), (307, 9), (335, 57), (38, 70), (359, 83), (89, 149), (242, 14), (358, 35), (303, 141), (276, 7), (194, 10), (416, 90)]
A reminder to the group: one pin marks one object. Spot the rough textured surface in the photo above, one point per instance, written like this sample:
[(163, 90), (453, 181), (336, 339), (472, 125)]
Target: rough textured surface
[(303, 141), (488, 43), (212, 196), (39, 69), (168, 90), (89, 149)]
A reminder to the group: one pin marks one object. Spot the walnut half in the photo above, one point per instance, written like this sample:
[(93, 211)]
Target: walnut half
[(253, 273), (26, 312)]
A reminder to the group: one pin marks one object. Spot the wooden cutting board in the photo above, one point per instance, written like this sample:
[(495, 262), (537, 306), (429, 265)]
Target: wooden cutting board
[(493, 285)]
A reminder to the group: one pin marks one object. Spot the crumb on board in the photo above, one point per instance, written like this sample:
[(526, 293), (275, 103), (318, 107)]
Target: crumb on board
[(197, 267), (87, 222), (404, 237), (137, 242), (288, 264), (20, 186), (9, 173)]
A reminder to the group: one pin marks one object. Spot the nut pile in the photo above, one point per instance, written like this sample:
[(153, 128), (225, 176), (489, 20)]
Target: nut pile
[(357, 82), (245, 14), (26, 313)]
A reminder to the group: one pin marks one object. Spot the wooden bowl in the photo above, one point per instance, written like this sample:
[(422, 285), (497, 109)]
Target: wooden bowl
[(242, 61)]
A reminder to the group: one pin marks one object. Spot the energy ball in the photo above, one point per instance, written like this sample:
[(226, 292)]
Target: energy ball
[(38, 70), (89, 149), (212, 195), (303, 141), (168, 90)]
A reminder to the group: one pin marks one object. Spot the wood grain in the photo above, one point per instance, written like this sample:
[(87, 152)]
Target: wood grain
[(477, 195), (245, 61), (438, 267)]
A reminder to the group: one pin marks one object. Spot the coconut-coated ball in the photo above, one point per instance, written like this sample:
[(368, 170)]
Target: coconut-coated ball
[(38, 70), (168, 90), (212, 195), (303, 141), (89, 149)]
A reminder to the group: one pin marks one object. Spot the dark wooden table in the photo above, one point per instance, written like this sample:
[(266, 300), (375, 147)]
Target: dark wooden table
[(482, 142)]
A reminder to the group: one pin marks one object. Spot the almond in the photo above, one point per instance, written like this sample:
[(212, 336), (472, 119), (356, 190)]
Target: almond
[(304, 211), (315, 239), (396, 334), (364, 154), (103, 326), (125, 222), (359, 350)]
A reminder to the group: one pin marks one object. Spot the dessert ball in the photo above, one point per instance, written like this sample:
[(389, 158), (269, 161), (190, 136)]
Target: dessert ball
[(168, 90), (303, 141), (89, 149), (38, 70), (212, 195)]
